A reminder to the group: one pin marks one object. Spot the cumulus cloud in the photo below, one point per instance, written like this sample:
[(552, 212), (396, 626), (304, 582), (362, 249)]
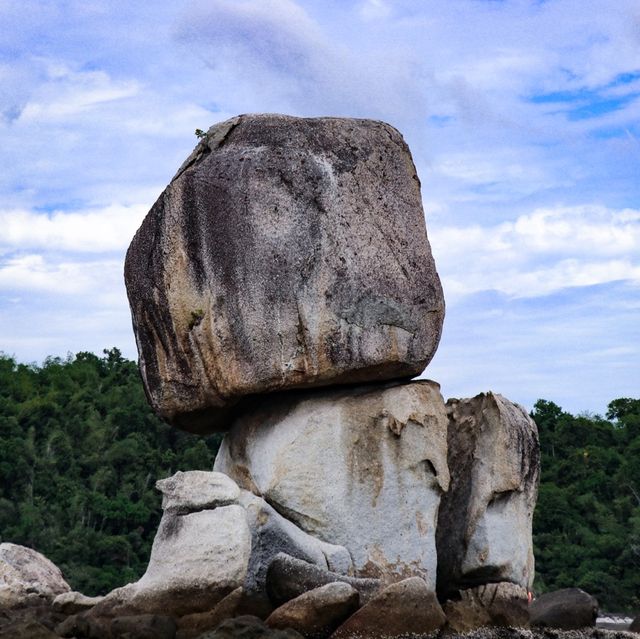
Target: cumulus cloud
[(540, 253), (35, 272), (88, 231)]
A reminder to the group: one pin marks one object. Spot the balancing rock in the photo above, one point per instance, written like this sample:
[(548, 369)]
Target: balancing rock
[(285, 253), (485, 520), (363, 468)]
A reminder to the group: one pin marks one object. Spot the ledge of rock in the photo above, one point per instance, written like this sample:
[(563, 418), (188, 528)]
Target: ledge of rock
[(286, 253)]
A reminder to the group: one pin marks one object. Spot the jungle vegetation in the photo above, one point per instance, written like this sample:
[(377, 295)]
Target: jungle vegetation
[(81, 450)]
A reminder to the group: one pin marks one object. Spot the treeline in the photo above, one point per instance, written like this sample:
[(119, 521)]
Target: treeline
[(587, 521), (80, 452)]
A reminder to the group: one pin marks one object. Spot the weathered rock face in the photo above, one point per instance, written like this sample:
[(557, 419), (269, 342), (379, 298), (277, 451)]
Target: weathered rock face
[(213, 538), (503, 605), (27, 578), (485, 520), (74, 602), (363, 468), (285, 253), (317, 613), (403, 609), (567, 609), (288, 578)]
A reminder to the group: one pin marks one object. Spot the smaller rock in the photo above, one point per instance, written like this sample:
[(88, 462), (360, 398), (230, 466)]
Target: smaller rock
[(317, 613), (195, 624), (502, 605), (288, 578), (27, 578), (248, 627), (143, 627), (404, 608), (27, 630), (74, 626), (635, 625), (73, 602), (568, 609), (187, 492)]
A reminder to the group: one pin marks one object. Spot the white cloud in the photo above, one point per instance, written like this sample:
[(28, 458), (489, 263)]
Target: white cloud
[(66, 93), (36, 273), (540, 253), (107, 229)]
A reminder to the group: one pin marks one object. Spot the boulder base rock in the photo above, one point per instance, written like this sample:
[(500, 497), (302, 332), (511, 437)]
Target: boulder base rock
[(493, 605), (27, 578), (567, 609), (485, 520), (213, 538), (285, 253), (27, 630), (73, 602), (404, 608), (143, 627), (288, 578), (317, 613), (362, 468), (249, 627)]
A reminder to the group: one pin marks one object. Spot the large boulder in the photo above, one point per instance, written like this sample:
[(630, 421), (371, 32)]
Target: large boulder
[(485, 520), (213, 538), (317, 613), (503, 605), (567, 609), (27, 578), (406, 608), (363, 468), (285, 253)]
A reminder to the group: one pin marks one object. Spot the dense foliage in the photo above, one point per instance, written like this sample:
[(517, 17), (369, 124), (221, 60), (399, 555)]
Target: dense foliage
[(80, 451), (587, 522)]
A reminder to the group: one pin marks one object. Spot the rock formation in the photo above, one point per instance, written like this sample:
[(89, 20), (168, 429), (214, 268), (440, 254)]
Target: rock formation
[(283, 289), (27, 578), (289, 254), (567, 609), (213, 539), (285, 253), (363, 468), (485, 521)]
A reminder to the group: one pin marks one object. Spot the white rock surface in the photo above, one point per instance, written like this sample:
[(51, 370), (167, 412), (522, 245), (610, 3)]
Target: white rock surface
[(197, 490), (212, 539), (27, 577), (485, 522), (362, 468)]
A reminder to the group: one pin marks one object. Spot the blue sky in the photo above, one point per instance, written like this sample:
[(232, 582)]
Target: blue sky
[(523, 117)]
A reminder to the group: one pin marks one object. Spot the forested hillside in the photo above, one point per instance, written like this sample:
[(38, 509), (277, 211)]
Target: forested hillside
[(80, 451), (587, 522)]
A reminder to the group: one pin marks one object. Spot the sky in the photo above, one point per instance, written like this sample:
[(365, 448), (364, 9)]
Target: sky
[(523, 117)]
